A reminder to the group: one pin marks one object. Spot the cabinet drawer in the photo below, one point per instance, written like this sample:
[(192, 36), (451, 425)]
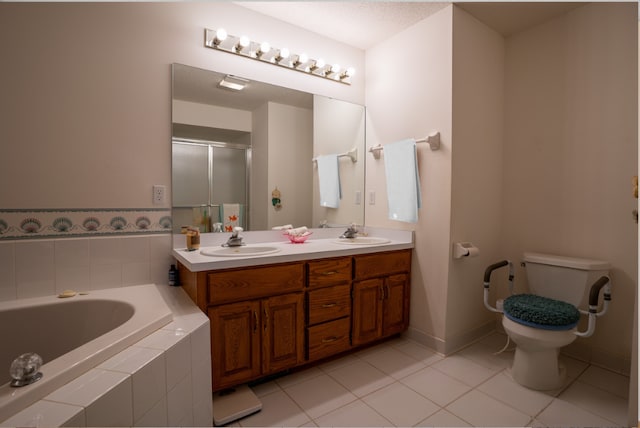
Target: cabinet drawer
[(250, 283), (329, 303), (382, 264), (330, 271), (329, 338)]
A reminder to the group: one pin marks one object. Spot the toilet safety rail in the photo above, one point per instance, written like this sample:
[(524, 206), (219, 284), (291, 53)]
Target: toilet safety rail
[(603, 281), (594, 293), (487, 280)]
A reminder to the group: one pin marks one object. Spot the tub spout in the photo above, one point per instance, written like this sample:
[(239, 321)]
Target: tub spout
[(24, 370)]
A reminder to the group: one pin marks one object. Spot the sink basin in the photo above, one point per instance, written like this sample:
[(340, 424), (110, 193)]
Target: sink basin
[(244, 251), (362, 240)]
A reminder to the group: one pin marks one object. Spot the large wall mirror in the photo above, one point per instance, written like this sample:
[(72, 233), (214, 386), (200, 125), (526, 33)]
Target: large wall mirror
[(257, 157)]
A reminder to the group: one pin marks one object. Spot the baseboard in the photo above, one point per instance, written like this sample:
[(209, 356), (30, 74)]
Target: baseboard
[(454, 344)]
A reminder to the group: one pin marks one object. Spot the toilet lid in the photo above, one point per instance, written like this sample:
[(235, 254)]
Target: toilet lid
[(541, 312)]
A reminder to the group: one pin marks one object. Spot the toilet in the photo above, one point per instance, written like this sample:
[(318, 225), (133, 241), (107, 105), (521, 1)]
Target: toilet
[(546, 319)]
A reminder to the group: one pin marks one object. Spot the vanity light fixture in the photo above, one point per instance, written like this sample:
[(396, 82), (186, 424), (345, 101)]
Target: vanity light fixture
[(234, 83), (220, 40)]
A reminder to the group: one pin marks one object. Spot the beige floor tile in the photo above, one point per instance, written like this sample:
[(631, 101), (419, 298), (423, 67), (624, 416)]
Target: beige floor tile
[(401, 405), (320, 395)]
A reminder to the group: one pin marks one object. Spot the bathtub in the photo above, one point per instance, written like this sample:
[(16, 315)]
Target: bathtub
[(73, 335)]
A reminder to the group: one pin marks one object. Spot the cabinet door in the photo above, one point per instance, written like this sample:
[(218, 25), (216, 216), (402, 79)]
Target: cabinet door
[(367, 310), (395, 312), (235, 343), (283, 332)]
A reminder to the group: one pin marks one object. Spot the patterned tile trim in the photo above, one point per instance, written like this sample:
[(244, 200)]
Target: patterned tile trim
[(66, 223)]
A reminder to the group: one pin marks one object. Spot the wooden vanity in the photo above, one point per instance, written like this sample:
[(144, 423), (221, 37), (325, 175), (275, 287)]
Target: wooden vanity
[(272, 317)]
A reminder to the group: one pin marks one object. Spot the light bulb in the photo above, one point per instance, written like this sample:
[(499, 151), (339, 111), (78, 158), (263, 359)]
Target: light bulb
[(221, 36), (335, 68), (319, 63), (265, 47), (350, 72), (281, 55), (242, 43), (302, 59)]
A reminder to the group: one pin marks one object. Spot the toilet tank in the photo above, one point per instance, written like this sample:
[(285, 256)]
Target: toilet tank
[(562, 278)]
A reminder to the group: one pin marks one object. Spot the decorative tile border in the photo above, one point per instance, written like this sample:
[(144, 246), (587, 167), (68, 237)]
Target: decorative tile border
[(65, 223)]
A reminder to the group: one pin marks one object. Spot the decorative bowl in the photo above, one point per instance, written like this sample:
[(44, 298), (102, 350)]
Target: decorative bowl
[(298, 239)]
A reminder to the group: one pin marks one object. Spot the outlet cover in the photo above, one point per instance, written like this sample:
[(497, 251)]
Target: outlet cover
[(158, 194)]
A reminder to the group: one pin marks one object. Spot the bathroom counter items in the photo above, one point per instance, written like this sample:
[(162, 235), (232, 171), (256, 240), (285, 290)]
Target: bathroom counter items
[(272, 247)]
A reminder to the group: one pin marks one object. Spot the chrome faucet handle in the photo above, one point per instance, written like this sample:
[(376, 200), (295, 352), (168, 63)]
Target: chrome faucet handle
[(24, 370), (234, 240), (351, 232)]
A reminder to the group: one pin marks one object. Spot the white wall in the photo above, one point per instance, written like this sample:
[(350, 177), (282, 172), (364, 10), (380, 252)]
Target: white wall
[(409, 94), (571, 142), (337, 128), (197, 114), (290, 154), (87, 92), (259, 218), (476, 182)]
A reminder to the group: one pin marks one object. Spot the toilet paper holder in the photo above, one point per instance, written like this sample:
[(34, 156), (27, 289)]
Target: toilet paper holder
[(464, 249)]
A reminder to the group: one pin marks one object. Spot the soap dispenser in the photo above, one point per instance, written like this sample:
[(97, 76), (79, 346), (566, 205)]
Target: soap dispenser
[(173, 276)]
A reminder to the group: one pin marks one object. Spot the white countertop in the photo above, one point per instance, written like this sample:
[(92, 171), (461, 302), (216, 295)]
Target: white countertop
[(321, 244)]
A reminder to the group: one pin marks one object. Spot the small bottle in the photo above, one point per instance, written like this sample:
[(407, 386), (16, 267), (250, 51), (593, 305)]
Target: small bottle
[(173, 276)]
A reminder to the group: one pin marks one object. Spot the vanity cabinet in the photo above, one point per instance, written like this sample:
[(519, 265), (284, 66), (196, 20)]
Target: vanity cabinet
[(328, 307), (257, 321), (256, 338), (380, 295), (269, 318)]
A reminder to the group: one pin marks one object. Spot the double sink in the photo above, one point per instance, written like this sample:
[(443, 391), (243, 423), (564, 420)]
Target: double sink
[(261, 250)]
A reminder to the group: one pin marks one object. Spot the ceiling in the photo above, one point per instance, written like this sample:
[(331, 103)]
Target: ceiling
[(364, 24), (359, 24)]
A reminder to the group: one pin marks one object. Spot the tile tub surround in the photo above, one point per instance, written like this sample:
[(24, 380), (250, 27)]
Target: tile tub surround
[(82, 264), (319, 245), (162, 380)]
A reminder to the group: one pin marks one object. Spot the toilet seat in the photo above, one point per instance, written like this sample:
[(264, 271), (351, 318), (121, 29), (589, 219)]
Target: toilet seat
[(541, 312)]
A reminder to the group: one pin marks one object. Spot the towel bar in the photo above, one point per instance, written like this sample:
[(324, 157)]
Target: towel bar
[(433, 140), (353, 154)]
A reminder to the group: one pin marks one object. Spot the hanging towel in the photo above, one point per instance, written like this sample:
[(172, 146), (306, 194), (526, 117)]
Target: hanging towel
[(329, 181), (230, 216), (403, 181)]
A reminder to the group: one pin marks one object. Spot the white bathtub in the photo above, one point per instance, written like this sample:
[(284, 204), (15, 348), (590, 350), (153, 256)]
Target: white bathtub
[(73, 335)]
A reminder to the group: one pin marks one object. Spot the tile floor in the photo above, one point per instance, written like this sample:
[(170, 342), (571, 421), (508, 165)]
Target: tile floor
[(401, 383)]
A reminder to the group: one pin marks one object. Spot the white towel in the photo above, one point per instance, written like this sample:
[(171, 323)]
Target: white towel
[(329, 181), (284, 227), (230, 216), (403, 181)]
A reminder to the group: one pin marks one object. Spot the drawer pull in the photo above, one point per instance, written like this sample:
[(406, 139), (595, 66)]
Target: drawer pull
[(329, 339), (266, 319), (329, 305), (330, 272), (255, 321)]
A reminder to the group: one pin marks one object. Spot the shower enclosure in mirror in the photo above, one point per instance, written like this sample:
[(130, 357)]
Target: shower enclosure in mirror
[(232, 149), (210, 184)]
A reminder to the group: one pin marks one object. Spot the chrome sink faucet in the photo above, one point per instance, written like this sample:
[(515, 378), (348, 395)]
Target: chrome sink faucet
[(234, 240), (350, 233)]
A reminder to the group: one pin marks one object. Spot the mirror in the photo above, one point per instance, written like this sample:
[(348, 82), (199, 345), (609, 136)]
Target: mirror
[(249, 157)]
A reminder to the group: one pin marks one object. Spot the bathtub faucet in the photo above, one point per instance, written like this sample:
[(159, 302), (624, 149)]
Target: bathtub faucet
[(24, 370)]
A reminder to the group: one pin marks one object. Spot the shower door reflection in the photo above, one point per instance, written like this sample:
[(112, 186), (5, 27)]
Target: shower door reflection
[(208, 178)]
